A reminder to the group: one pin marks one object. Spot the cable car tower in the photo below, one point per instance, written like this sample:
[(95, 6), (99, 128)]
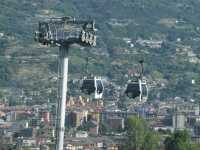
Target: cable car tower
[(63, 32)]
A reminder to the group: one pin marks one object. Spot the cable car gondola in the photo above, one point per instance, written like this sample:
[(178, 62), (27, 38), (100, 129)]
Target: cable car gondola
[(93, 86), (138, 88)]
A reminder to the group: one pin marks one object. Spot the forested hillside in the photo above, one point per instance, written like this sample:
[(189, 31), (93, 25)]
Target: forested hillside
[(165, 34)]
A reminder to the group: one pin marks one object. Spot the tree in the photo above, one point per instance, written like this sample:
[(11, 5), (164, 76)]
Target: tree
[(140, 137), (151, 141), (195, 147), (180, 140)]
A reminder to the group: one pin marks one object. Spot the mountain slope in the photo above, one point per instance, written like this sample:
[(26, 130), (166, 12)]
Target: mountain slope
[(172, 68)]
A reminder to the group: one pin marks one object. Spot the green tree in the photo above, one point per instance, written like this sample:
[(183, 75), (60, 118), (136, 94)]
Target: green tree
[(151, 141), (195, 147), (180, 140), (140, 137)]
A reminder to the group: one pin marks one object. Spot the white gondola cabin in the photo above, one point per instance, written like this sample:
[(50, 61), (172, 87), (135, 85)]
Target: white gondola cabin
[(93, 86), (136, 89)]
